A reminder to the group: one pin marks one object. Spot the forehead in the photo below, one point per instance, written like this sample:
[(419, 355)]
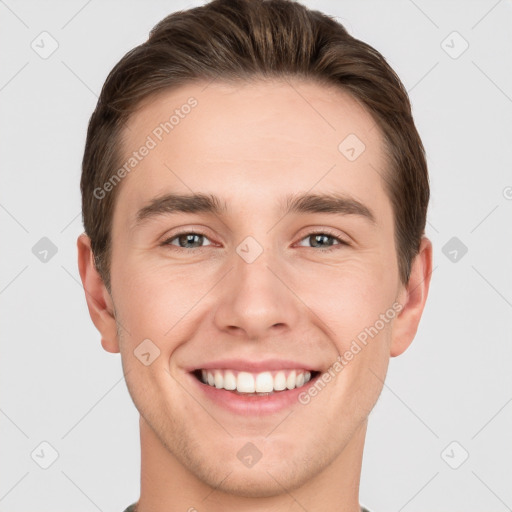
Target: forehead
[(251, 142)]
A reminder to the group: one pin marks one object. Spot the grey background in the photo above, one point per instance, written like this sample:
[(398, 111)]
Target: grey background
[(453, 383)]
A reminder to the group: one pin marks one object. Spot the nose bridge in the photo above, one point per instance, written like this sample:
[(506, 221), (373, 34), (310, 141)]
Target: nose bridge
[(256, 300)]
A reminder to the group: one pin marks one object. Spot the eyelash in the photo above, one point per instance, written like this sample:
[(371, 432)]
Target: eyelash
[(326, 232)]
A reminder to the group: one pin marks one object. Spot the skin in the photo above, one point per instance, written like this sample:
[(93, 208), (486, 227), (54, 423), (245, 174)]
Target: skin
[(251, 144)]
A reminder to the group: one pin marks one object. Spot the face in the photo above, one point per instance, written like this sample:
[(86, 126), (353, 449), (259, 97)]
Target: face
[(269, 318)]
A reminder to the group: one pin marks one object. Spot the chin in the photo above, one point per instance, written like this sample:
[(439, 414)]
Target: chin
[(256, 482), (276, 472)]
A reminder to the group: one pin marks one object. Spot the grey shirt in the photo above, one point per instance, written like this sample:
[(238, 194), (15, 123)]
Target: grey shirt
[(132, 508)]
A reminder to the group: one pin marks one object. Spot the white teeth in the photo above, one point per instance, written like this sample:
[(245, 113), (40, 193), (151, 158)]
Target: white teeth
[(263, 382), (219, 379), (229, 380), (245, 383), (280, 381), (290, 381)]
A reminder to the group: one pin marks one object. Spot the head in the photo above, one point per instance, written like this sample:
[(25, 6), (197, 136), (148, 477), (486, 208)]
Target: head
[(254, 196)]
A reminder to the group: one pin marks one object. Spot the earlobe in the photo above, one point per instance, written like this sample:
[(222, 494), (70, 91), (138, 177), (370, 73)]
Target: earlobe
[(99, 301), (413, 298)]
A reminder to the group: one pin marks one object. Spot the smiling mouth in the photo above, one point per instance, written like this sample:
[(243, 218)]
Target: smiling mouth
[(254, 384)]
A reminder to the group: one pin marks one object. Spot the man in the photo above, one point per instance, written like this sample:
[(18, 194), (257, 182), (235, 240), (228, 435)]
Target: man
[(254, 201)]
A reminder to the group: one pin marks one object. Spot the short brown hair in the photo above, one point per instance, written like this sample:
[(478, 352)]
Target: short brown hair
[(246, 40)]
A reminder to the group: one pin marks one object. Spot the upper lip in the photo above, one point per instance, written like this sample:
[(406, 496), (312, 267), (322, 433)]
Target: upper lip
[(253, 366)]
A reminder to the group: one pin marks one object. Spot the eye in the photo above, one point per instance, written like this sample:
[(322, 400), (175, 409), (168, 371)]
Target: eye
[(195, 240), (185, 239), (322, 239)]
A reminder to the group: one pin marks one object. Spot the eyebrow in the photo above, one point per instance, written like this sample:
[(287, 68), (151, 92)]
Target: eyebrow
[(294, 203)]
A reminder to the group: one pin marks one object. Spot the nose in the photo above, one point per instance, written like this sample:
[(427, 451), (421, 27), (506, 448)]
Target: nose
[(256, 300)]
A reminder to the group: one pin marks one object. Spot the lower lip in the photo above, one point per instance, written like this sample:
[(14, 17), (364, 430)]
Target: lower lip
[(252, 404)]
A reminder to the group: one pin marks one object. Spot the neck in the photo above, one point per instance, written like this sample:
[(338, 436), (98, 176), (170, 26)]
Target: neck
[(168, 486)]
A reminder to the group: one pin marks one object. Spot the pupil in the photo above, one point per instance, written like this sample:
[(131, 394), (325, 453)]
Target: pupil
[(189, 239), (317, 238)]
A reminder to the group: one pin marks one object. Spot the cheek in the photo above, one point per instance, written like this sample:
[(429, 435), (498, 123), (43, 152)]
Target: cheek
[(364, 361), (149, 302), (348, 295)]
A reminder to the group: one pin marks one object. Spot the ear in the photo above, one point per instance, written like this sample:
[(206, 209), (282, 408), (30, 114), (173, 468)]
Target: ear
[(412, 297), (99, 301)]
